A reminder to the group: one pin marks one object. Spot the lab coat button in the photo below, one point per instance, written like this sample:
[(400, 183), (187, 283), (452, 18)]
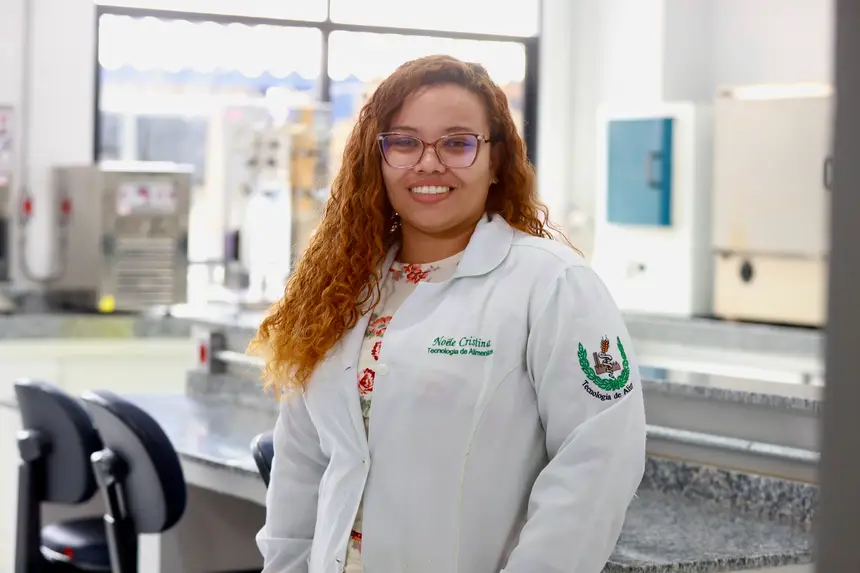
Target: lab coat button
[(382, 369)]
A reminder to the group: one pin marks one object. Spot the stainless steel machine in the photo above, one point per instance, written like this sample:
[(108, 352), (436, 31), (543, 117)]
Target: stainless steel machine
[(123, 235)]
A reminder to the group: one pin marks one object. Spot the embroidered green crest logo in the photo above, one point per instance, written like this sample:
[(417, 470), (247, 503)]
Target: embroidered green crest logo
[(606, 379)]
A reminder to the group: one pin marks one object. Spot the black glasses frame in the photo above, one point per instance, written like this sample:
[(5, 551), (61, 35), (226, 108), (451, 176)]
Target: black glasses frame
[(433, 144)]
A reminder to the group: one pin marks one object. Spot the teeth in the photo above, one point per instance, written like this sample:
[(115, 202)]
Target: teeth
[(430, 190)]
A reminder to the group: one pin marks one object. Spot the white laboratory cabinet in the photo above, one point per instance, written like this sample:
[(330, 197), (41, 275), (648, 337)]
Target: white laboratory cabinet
[(652, 235), (772, 173)]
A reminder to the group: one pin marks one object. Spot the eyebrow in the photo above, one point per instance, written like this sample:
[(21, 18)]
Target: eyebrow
[(452, 129)]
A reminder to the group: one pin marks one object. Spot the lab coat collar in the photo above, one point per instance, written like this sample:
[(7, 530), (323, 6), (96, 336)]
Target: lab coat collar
[(488, 247), (490, 243)]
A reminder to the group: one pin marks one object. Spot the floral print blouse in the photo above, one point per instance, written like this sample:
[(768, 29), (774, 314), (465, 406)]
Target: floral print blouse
[(402, 279)]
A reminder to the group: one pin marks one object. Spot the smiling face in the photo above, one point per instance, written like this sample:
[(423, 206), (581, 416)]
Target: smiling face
[(432, 198)]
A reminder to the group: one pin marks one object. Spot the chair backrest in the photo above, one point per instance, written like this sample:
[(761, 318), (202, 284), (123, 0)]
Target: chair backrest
[(263, 450), (66, 434), (154, 485)]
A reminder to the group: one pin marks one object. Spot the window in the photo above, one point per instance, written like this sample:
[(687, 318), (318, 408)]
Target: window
[(213, 87), (359, 61), (163, 81), (195, 93), (306, 10), (177, 139), (189, 55), (109, 136), (519, 18)]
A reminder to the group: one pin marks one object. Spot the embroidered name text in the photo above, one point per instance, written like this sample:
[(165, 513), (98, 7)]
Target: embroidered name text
[(465, 345)]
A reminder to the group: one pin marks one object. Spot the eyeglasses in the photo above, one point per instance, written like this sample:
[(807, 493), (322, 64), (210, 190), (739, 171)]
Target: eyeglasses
[(455, 150)]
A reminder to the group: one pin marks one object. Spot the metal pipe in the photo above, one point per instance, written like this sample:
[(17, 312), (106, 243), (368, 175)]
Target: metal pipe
[(738, 445), (238, 359), (24, 161)]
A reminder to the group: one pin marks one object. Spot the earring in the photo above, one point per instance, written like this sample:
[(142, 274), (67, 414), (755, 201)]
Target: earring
[(494, 181), (395, 222)]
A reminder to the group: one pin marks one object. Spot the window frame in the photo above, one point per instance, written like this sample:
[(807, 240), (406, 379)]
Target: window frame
[(326, 27)]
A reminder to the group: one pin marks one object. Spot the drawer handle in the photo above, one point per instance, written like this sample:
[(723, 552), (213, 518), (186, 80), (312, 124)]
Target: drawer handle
[(650, 171), (827, 173), (746, 272)]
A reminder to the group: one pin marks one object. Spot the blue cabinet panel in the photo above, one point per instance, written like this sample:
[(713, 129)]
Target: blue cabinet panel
[(640, 172)]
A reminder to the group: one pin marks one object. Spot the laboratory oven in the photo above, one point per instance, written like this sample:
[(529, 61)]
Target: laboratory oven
[(123, 235), (771, 207)]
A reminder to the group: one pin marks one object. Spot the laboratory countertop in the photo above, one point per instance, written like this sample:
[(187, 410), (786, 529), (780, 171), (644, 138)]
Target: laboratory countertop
[(801, 399), (804, 398), (696, 331), (766, 346), (797, 397), (707, 332), (177, 319), (686, 518), (30, 326), (702, 342)]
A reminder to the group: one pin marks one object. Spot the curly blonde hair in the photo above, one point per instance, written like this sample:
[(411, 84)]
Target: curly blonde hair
[(338, 277)]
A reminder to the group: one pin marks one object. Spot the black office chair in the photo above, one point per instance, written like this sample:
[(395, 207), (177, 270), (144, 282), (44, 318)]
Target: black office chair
[(139, 474), (263, 450), (55, 445)]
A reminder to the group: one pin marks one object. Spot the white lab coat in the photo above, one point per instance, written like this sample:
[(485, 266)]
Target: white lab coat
[(513, 461)]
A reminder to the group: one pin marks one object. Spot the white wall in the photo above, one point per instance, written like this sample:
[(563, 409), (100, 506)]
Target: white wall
[(773, 41), (61, 100), (688, 49), (11, 18), (59, 106), (630, 38), (592, 51), (596, 51)]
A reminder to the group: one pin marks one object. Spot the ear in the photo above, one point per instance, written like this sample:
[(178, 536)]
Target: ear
[(496, 152)]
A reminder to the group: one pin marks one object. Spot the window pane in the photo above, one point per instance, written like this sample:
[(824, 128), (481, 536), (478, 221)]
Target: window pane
[(109, 136), (174, 139), (519, 18), (222, 98), (306, 10), (359, 61)]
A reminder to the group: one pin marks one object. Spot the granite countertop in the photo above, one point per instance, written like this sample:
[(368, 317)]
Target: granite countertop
[(686, 518), (782, 395), (215, 431), (697, 519)]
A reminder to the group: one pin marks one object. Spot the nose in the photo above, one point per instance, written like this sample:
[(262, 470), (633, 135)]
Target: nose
[(429, 162)]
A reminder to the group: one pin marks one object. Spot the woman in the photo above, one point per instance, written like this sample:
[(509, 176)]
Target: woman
[(468, 400)]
